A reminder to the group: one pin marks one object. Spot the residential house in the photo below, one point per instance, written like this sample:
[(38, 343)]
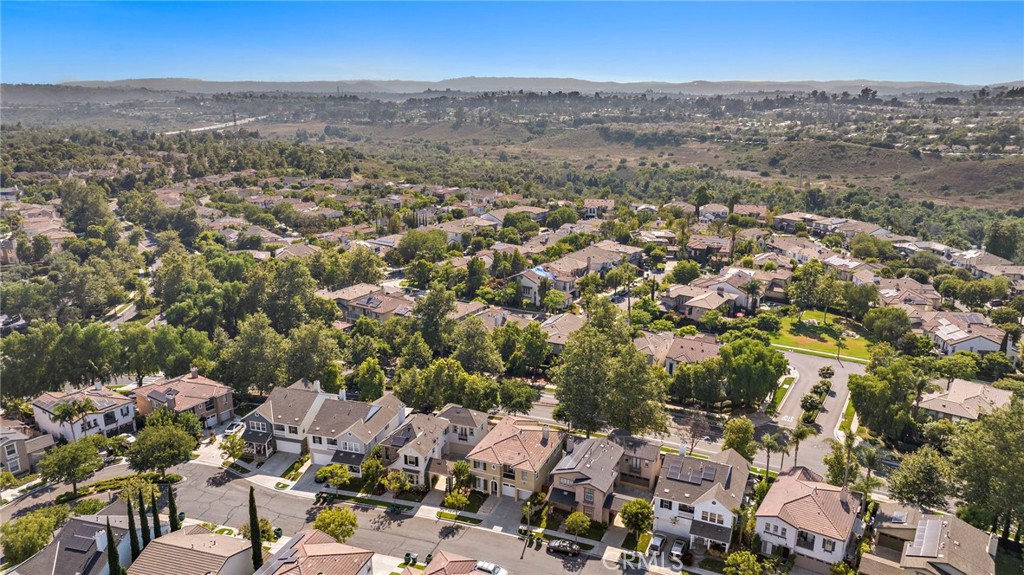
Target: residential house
[(345, 432), (532, 280), (735, 280), (711, 212), (690, 349), (698, 498), (455, 229), (466, 428), (694, 301), (955, 331), (80, 548), (962, 400), (975, 261), (417, 445), (295, 251), (906, 291), (706, 249), (311, 551), (757, 211), (641, 459), (347, 297), (446, 563), (910, 541), (281, 422), (516, 457), (498, 216), (194, 550), (211, 401), (585, 477), (559, 328), (494, 317), (816, 521), (596, 207), (654, 344), (684, 207), (21, 446), (8, 251), (113, 413), (801, 250), (369, 300)]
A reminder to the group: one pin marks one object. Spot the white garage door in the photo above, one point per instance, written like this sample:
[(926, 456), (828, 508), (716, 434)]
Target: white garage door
[(681, 527), (525, 494), (289, 446), (321, 458), (508, 489), (211, 421)]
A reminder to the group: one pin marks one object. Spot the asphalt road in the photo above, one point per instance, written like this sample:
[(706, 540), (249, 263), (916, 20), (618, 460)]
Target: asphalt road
[(48, 494), (210, 494)]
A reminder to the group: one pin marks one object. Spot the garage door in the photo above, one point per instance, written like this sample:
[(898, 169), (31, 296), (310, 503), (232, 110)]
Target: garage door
[(525, 494), (211, 421), (289, 446), (508, 489), (321, 458), (811, 564)]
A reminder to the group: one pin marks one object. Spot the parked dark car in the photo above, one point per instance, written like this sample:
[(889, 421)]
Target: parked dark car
[(563, 546)]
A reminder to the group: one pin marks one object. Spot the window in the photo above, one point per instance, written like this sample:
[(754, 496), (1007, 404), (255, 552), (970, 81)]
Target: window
[(354, 469), (828, 545), (686, 508), (331, 441), (351, 446), (666, 504), (634, 463), (412, 460), (588, 495), (588, 510), (258, 426), (767, 527), (783, 534), (710, 517), (125, 411), (775, 529), (293, 430), (11, 450), (278, 427), (318, 440), (524, 475), (209, 404), (565, 481)]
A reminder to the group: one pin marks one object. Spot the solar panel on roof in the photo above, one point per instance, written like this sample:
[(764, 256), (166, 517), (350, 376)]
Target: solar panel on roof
[(79, 543), (926, 539), (674, 471), (709, 473)]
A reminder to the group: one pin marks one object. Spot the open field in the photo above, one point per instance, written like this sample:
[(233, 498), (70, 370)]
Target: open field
[(821, 338)]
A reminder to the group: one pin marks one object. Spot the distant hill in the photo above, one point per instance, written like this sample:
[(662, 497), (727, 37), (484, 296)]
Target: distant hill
[(483, 84)]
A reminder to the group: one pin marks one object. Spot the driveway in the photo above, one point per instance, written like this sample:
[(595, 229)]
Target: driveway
[(307, 482), (277, 464)]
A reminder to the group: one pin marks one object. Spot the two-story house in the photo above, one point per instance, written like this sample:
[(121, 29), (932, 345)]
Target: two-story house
[(112, 413), (313, 551), (21, 447), (466, 428), (641, 459), (597, 207), (415, 445), (699, 498), (962, 400), (711, 212), (516, 458), (211, 401), (585, 478), (344, 432), (281, 423), (804, 516)]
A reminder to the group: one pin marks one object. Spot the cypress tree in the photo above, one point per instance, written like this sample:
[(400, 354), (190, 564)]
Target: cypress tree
[(254, 531), (156, 516), (172, 509), (113, 559), (144, 521), (132, 534)]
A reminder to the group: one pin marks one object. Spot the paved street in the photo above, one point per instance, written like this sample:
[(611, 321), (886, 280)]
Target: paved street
[(209, 494), (48, 494)]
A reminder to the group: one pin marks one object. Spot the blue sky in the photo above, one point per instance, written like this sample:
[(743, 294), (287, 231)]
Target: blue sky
[(966, 42)]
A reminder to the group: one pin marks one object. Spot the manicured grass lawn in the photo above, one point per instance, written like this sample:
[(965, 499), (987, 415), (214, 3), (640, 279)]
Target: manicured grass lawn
[(458, 518), (596, 531), (780, 393), (367, 501), (712, 565), (847, 418), (821, 338), (476, 500), (415, 496), (631, 543), (292, 473)]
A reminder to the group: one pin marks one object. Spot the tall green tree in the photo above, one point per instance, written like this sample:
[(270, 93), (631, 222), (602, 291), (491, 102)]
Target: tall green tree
[(72, 462), (637, 516), (739, 436), (582, 380), (752, 370), (338, 522), (922, 479), (312, 352), (432, 317), (156, 515), (637, 394), (172, 509), (147, 535), (138, 352), (255, 359), (133, 535), (113, 558), (368, 378), (71, 412), (157, 448), (416, 353), (254, 531), (888, 324), (474, 348)]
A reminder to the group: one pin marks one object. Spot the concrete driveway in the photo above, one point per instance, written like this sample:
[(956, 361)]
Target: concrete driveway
[(307, 482), (277, 464)]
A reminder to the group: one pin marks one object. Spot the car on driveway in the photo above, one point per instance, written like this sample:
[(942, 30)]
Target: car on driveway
[(234, 427), (564, 546), (657, 545), (679, 548), (490, 568)]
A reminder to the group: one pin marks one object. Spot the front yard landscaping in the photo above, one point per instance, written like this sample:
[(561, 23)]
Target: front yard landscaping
[(640, 545)]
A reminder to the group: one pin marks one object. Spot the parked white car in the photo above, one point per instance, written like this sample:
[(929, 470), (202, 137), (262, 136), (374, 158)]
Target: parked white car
[(234, 427), (490, 568)]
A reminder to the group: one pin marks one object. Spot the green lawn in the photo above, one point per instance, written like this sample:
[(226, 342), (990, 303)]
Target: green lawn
[(847, 418), (476, 500), (780, 393), (712, 565), (458, 518), (632, 544), (821, 338), (1008, 563)]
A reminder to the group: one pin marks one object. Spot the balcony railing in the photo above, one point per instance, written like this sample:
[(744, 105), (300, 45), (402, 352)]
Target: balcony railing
[(803, 543)]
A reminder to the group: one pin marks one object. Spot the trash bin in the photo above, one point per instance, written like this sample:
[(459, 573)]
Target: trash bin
[(181, 516), (278, 533)]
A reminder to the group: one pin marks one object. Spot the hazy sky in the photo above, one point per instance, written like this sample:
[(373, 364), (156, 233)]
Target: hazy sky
[(968, 42)]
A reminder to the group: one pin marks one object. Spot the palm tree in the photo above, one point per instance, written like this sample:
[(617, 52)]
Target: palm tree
[(922, 384), (848, 446), (869, 458), (801, 433), (866, 484), (753, 290), (770, 444), (71, 411), (782, 438)]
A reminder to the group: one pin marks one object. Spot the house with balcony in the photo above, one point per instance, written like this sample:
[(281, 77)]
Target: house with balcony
[(417, 445), (282, 421), (711, 212), (516, 457), (466, 428), (698, 498), (211, 401), (585, 477), (815, 521), (704, 249), (641, 460), (113, 413), (344, 432), (693, 301)]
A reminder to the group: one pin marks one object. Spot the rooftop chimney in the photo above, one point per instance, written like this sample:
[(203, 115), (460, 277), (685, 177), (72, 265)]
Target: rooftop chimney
[(544, 432), (316, 385), (101, 540), (97, 385), (342, 393), (193, 372), (844, 497)]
